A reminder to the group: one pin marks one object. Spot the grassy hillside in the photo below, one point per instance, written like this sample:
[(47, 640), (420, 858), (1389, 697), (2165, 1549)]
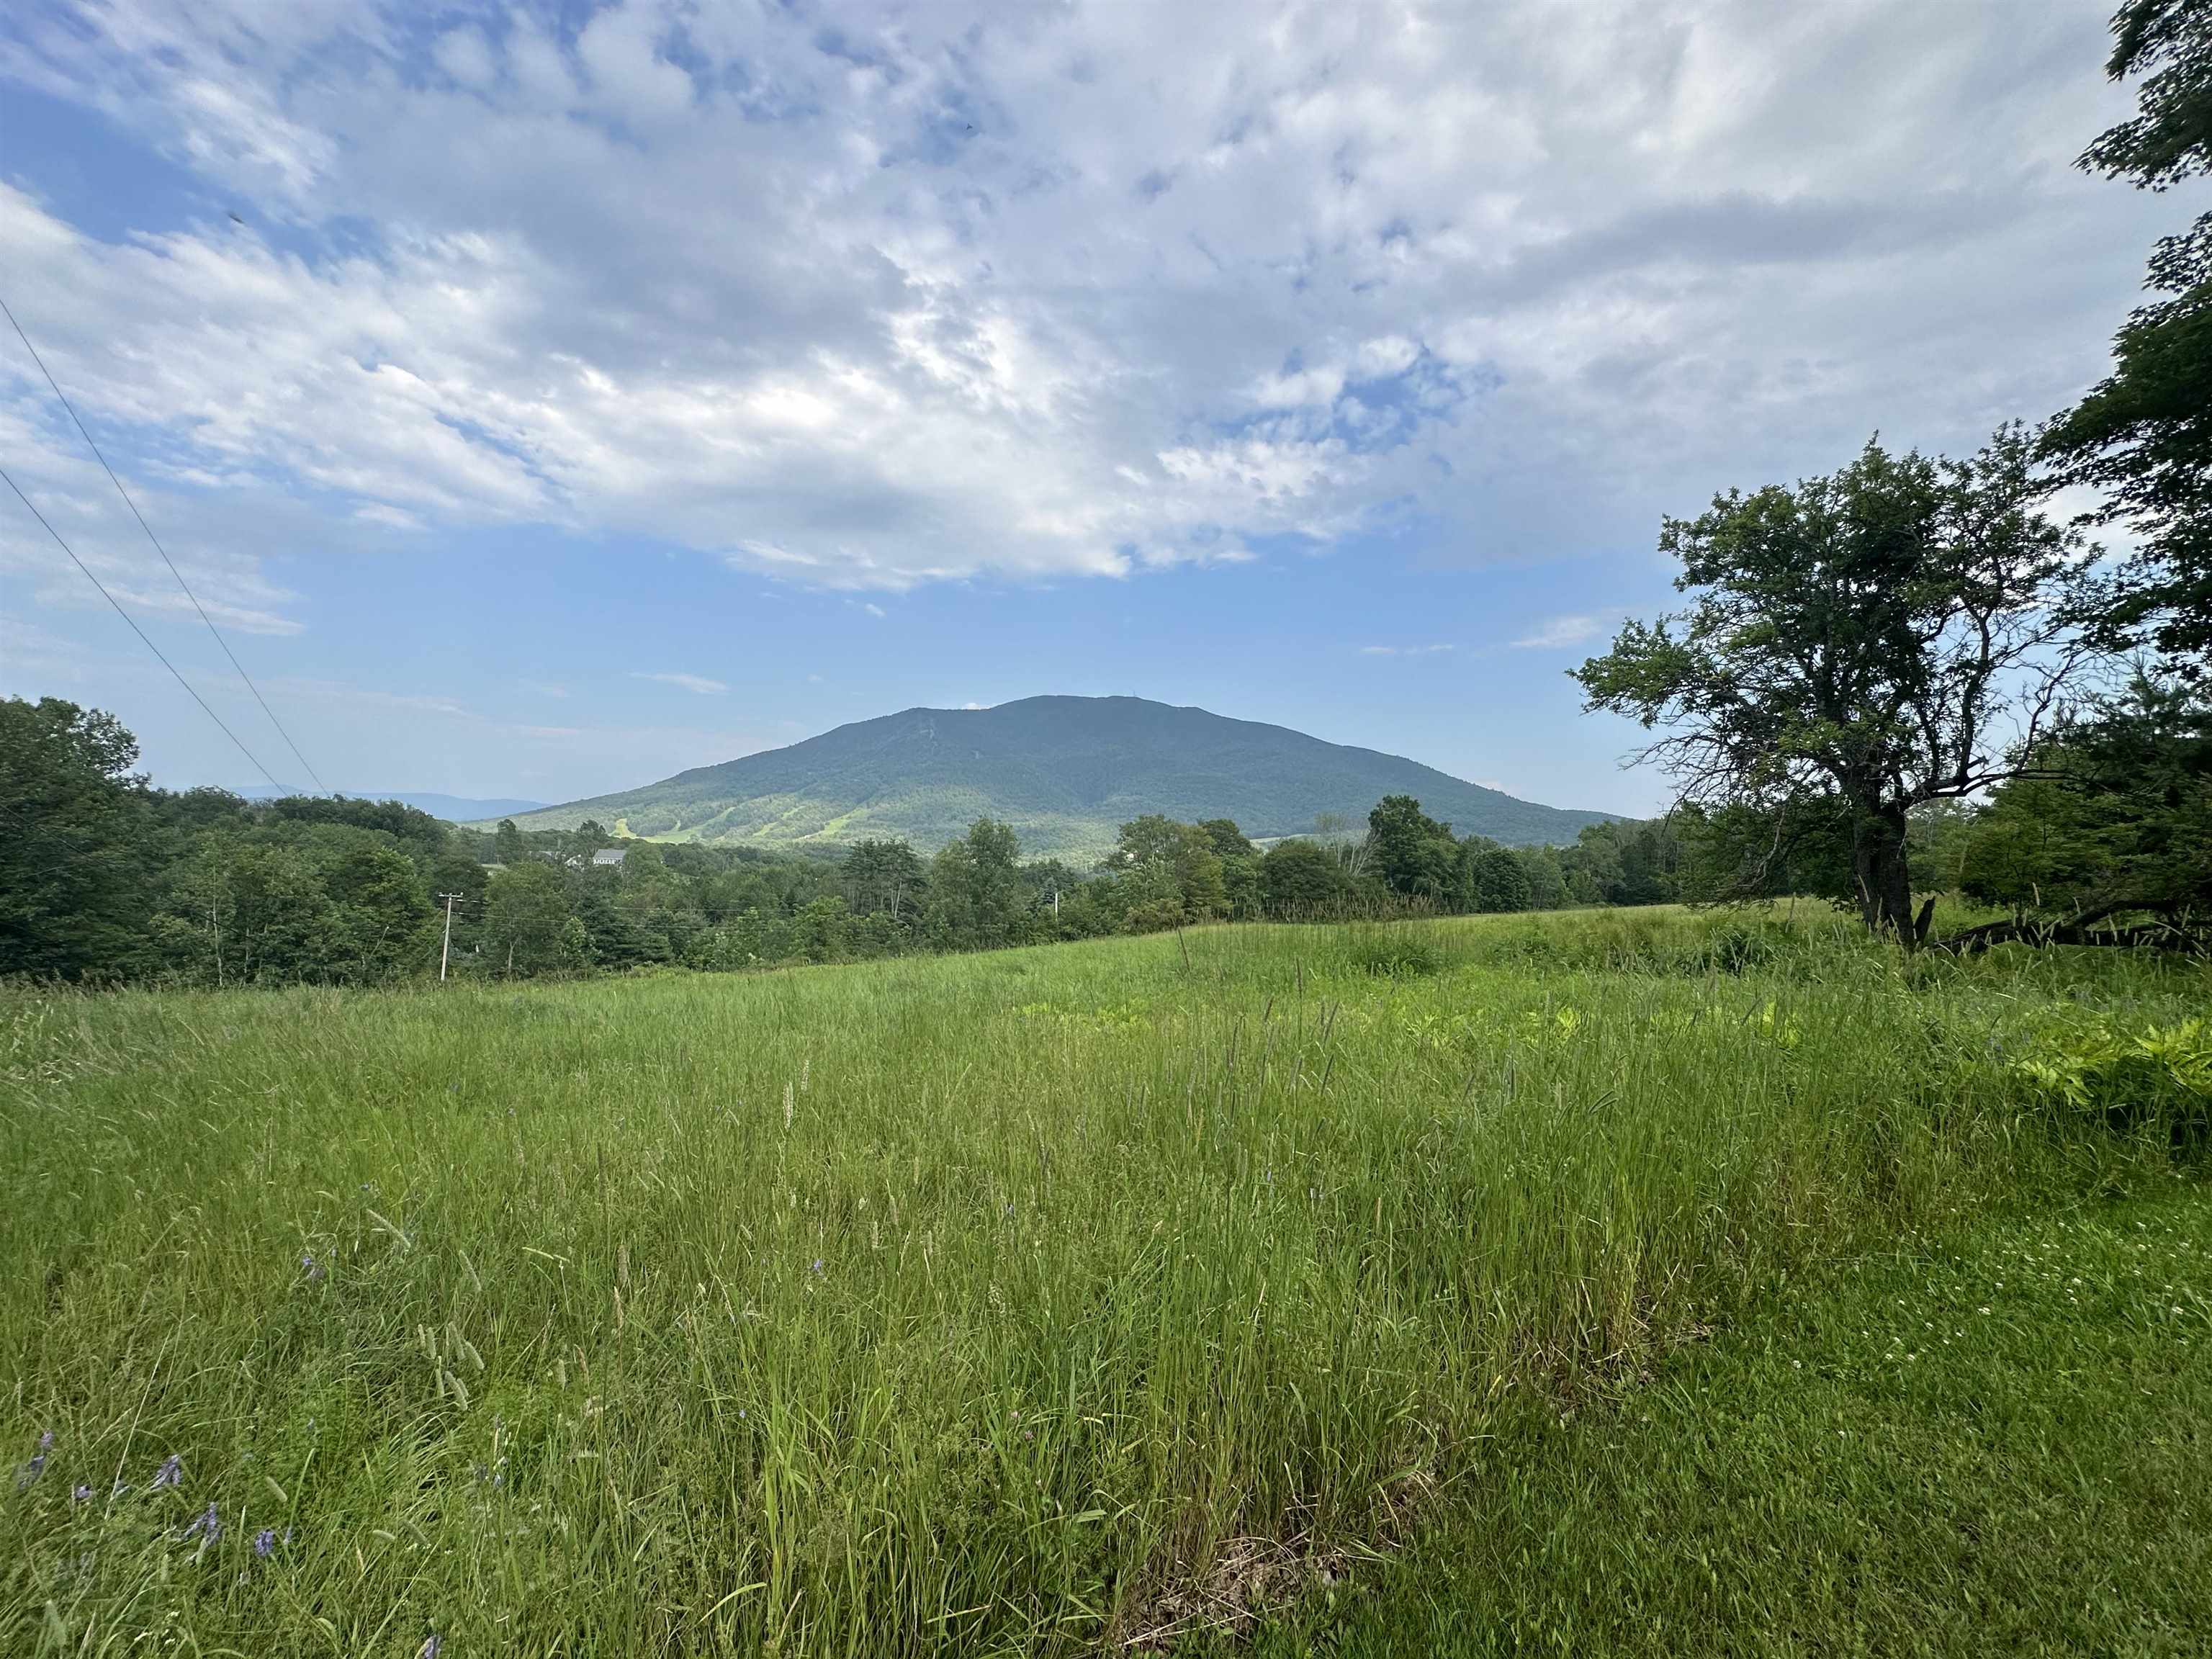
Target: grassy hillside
[(1030, 1301), (1065, 771)]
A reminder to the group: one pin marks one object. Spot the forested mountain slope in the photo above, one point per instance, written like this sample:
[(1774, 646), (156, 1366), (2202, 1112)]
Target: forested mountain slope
[(1063, 771)]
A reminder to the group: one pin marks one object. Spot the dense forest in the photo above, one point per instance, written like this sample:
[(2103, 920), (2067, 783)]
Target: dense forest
[(106, 879)]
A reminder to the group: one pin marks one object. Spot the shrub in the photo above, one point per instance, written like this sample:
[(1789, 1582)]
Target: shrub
[(2158, 1079)]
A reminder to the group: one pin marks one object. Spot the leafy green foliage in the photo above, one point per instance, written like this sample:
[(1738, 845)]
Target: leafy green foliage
[(2118, 814), (72, 816), (1499, 880), (529, 927), (1169, 871), (884, 875), (1240, 867), (1874, 638), (2154, 1078), (1625, 862), (1413, 854), (2143, 436), (976, 897), (1302, 879)]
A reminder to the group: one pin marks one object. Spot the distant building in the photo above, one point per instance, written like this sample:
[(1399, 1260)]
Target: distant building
[(609, 856)]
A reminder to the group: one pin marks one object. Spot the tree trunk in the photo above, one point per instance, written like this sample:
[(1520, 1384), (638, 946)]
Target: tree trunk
[(1878, 867)]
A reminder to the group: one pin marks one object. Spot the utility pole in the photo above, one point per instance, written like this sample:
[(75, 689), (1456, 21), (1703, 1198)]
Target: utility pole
[(446, 949)]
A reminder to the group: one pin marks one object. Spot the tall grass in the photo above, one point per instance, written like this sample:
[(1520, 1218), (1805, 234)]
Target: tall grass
[(1009, 1303)]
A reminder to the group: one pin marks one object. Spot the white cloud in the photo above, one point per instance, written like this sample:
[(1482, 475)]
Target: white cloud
[(413, 702), (698, 684), (1405, 650), (464, 54), (203, 529), (961, 289), (1562, 631), (1385, 356)]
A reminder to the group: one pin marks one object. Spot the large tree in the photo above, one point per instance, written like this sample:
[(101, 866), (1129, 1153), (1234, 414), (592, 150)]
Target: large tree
[(1414, 854), (2143, 436), (1240, 865), (72, 881), (1497, 879), (1302, 880), (529, 927), (976, 898), (883, 875), (1170, 871), (1897, 632)]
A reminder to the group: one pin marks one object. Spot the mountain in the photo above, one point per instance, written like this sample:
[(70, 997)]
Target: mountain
[(460, 809), (1066, 772)]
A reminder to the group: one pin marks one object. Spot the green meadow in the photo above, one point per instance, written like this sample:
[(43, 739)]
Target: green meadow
[(1303, 1286)]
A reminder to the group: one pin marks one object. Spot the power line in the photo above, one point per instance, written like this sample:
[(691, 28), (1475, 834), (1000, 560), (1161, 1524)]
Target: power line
[(158, 548), (134, 629)]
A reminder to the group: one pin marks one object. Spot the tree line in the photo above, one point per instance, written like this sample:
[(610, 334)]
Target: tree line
[(107, 880)]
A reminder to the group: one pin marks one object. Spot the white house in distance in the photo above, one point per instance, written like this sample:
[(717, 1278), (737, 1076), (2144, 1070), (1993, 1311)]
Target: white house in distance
[(609, 856)]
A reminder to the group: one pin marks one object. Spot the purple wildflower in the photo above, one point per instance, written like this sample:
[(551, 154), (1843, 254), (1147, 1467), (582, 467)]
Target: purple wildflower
[(433, 1646), (817, 1264), (170, 1474), (37, 1467), (264, 1542), (208, 1522), (80, 1494), (311, 1268)]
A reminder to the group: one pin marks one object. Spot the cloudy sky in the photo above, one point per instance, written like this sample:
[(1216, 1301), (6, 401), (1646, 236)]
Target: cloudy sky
[(550, 398)]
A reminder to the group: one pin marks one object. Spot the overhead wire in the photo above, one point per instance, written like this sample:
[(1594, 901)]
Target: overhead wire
[(134, 629), (93, 446)]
